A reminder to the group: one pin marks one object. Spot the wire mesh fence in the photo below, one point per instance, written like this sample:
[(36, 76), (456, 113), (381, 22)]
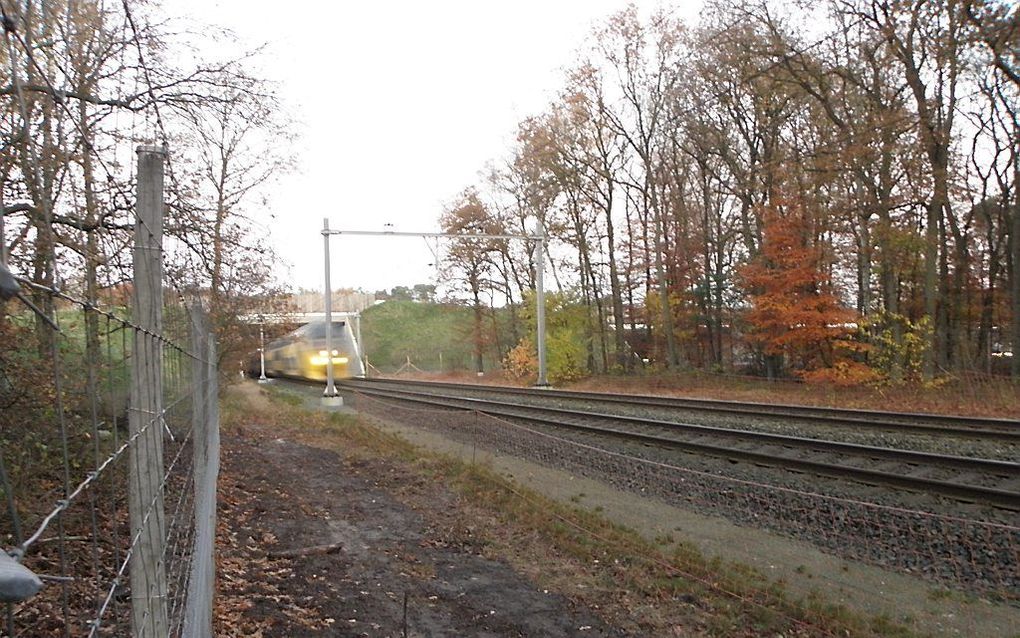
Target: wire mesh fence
[(956, 553), (108, 452)]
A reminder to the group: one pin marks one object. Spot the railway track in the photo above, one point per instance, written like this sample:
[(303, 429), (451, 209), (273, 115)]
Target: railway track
[(903, 422), (990, 482)]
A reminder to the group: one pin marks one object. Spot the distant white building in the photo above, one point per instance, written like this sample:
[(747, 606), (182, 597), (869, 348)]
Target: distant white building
[(344, 300)]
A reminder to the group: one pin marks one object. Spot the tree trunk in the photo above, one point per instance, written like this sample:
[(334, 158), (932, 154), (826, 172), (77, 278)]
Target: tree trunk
[(665, 309), (216, 278), (890, 288), (92, 257), (44, 262), (647, 248), (620, 344), (946, 297), (864, 258), (982, 358), (1015, 251), (773, 366), (714, 351), (586, 298), (476, 296)]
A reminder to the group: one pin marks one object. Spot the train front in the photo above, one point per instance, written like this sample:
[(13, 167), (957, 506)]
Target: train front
[(343, 351)]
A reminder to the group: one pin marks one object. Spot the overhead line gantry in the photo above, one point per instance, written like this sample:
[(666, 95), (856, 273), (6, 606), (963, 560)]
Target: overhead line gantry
[(537, 239)]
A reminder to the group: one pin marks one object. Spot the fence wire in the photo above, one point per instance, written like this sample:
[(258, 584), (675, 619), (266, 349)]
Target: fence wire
[(108, 456)]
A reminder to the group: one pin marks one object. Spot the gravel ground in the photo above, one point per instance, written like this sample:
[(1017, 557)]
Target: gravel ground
[(841, 487), (775, 477), (954, 445), (802, 568), (919, 603), (954, 546)]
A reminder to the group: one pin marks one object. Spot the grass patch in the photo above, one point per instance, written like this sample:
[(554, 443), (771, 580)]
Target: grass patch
[(277, 395)]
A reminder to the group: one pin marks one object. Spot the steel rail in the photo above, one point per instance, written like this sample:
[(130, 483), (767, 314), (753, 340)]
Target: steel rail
[(1008, 499), (922, 423)]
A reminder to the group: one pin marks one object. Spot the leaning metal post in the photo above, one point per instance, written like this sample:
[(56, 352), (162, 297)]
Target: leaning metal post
[(542, 382), (329, 396)]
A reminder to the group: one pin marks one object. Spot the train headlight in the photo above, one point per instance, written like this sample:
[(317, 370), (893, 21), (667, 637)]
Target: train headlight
[(322, 358)]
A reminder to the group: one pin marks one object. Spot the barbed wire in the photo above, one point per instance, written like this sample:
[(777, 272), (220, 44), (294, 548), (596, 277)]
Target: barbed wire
[(125, 323), (178, 543), (175, 536), (93, 476), (149, 511)]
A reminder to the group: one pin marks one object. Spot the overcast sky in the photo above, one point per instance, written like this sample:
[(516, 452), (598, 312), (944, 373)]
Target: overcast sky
[(400, 104)]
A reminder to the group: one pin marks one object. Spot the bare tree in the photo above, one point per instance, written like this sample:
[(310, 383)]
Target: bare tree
[(467, 260)]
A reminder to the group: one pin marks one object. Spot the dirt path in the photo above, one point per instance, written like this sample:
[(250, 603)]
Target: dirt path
[(278, 495)]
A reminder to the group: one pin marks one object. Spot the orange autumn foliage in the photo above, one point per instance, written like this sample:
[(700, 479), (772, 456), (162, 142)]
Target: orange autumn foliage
[(794, 312)]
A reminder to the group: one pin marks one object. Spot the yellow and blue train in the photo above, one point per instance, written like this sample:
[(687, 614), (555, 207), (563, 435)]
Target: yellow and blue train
[(303, 353)]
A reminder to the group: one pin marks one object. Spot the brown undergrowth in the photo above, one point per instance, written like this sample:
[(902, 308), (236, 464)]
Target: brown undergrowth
[(247, 576), (975, 396)]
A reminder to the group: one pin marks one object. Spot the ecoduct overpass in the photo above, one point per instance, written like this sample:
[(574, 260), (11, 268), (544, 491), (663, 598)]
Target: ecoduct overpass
[(300, 318)]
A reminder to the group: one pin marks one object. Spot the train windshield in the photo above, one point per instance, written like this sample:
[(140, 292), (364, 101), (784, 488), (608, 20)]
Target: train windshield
[(318, 330)]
